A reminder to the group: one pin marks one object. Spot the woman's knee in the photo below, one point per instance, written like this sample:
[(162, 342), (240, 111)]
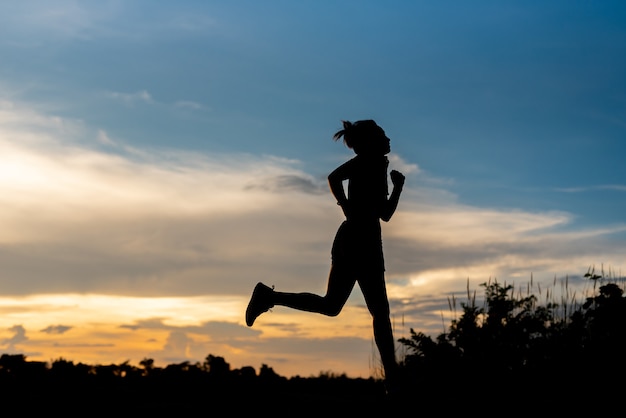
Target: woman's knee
[(332, 308)]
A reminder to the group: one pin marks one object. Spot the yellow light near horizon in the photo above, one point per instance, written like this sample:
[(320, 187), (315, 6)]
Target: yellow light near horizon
[(101, 328), (40, 311)]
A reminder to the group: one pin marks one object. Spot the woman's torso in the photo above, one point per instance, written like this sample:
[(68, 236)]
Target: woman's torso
[(367, 187)]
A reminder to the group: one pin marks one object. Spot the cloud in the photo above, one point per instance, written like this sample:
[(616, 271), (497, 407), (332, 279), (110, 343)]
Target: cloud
[(56, 329), (19, 337), (289, 182), (406, 168), (216, 330), (83, 345), (104, 139), (106, 222), (144, 97), (177, 344)]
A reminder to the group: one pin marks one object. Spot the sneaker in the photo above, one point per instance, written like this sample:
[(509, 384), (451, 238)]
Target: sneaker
[(261, 301)]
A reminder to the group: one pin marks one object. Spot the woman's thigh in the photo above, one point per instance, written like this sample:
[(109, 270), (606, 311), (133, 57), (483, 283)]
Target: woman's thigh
[(375, 293), (340, 285)]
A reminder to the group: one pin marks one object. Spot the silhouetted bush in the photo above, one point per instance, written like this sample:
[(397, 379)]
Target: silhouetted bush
[(514, 348)]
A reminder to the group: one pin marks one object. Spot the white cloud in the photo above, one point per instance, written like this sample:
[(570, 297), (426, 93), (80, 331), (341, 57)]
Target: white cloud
[(167, 216), (405, 168)]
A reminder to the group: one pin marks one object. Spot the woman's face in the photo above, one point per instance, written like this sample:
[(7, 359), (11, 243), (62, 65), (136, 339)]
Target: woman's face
[(383, 144), (374, 142)]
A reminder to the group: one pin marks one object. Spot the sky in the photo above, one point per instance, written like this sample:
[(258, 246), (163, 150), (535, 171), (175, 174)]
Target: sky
[(158, 159)]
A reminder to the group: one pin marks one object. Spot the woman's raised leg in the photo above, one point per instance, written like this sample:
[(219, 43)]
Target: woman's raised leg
[(340, 285)]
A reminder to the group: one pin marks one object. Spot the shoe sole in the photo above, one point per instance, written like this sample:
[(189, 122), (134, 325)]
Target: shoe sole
[(255, 292)]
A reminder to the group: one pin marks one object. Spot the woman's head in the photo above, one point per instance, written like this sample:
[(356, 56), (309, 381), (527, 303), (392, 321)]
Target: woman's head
[(364, 137)]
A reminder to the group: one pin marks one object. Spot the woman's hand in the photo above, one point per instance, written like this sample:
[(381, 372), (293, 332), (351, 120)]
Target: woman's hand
[(345, 207), (397, 178)]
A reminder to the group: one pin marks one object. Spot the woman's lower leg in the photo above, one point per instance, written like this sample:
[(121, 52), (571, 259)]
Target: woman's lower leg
[(383, 335), (301, 301), (339, 287)]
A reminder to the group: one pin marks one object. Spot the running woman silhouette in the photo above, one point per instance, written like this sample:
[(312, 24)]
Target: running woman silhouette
[(357, 252)]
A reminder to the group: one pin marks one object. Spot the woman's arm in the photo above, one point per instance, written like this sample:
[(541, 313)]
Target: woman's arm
[(391, 204), (335, 181)]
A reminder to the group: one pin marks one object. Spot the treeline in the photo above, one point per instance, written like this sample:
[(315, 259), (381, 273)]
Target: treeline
[(78, 388)]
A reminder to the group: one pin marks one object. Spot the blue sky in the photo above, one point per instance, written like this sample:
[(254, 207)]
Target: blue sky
[(159, 158)]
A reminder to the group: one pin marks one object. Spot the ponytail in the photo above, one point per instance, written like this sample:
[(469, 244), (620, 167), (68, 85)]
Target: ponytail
[(345, 132), (355, 134)]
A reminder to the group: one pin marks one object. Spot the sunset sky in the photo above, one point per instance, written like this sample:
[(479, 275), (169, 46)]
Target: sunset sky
[(158, 159)]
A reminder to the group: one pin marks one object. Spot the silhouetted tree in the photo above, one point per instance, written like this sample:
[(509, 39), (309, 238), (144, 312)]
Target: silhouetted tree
[(216, 366), (148, 365)]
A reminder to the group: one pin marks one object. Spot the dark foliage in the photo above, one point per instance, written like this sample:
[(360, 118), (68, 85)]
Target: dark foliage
[(512, 354)]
